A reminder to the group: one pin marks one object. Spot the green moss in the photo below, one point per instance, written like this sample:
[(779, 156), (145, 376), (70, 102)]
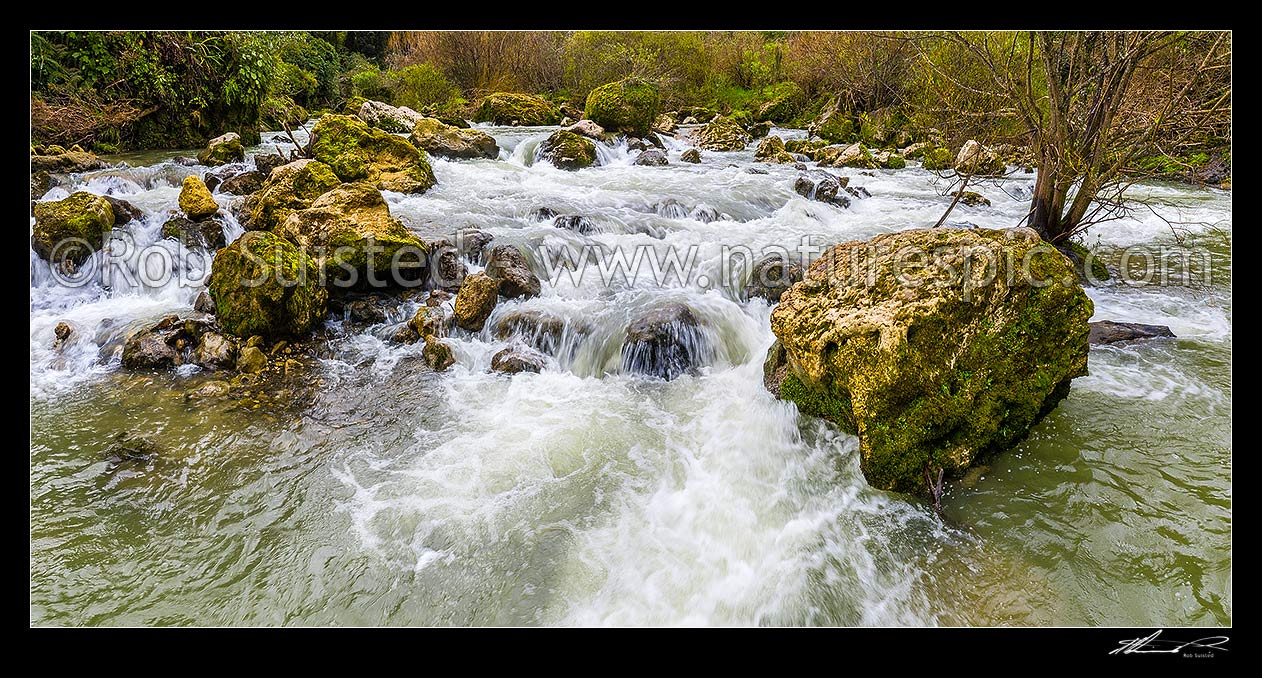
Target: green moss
[(355, 151), (289, 187), (782, 102), (1079, 255), (509, 108), (894, 161), (567, 150), (262, 284), (937, 158), (723, 135), (84, 217), (928, 377), (628, 106)]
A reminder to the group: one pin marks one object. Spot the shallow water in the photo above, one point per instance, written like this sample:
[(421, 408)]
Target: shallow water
[(586, 495)]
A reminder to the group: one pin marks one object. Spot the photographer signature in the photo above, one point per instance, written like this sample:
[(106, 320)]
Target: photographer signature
[(1154, 645)]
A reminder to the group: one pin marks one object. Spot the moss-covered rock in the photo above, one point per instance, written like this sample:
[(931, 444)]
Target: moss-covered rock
[(723, 134), (443, 140), (567, 150), (881, 128), (974, 199), (278, 112), (510, 108), (222, 150), (937, 158), (629, 106), (854, 155), (978, 160), (71, 229), (834, 125), (349, 229), (196, 200), (772, 150), (931, 368), (437, 354), (888, 160), (474, 302), (263, 284), (289, 187), (355, 152), (56, 159), (807, 147), (691, 155), (388, 118)]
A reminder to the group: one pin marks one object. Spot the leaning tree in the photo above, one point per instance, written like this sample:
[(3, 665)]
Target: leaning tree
[(1093, 104)]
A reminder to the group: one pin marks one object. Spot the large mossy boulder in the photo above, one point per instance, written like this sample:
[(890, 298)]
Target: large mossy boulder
[(937, 158), (933, 369), (436, 137), (724, 134), (264, 285), (772, 150), (289, 188), (511, 108), (222, 150), (355, 152), (567, 150), (834, 125), (350, 227), (628, 106), (70, 230)]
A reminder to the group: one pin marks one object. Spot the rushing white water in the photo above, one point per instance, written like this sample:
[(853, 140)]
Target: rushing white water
[(587, 495)]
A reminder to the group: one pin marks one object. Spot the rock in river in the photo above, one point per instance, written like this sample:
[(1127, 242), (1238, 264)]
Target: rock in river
[(665, 343), (931, 369)]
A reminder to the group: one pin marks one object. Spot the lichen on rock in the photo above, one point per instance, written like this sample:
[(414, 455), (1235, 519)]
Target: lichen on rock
[(931, 368)]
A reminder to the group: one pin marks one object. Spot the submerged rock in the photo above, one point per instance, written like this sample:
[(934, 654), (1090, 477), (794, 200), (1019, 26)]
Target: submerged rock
[(722, 135), (508, 266), (1109, 332), (71, 229), (822, 186), (937, 374), (290, 188), (538, 329), (124, 212), (576, 223), (222, 150), (651, 157), (517, 358), (567, 151), (974, 199), (771, 277), (355, 151), (437, 354), (475, 301), (263, 284), (207, 233), (665, 343), (447, 141), (629, 106), (510, 108)]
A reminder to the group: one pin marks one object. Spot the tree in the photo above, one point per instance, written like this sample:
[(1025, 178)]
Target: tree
[(1093, 104)]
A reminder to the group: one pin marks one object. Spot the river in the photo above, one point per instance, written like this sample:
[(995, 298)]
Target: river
[(583, 495)]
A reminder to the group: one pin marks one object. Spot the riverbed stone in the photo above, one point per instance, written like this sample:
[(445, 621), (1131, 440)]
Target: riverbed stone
[(73, 228), (263, 284), (475, 301), (222, 150), (629, 106), (665, 342), (355, 152), (567, 151)]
